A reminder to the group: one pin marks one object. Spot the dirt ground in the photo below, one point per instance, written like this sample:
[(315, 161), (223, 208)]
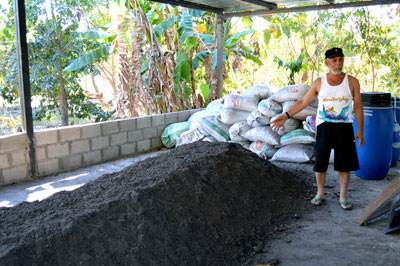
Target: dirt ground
[(200, 204), (327, 235)]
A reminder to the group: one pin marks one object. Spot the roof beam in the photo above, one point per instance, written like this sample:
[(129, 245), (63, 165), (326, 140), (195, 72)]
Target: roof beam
[(191, 5), (309, 8), (262, 3)]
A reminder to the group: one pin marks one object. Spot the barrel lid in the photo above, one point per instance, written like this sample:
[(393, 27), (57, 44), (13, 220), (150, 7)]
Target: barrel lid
[(377, 99)]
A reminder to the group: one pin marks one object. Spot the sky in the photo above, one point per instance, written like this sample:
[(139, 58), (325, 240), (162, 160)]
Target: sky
[(4, 3)]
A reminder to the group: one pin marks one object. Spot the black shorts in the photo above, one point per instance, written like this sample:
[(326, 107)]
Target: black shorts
[(340, 138)]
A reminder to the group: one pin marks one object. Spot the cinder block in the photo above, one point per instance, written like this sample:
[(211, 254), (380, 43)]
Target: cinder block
[(128, 149), (80, 146), (4, 162), (40, 153), (48, 167), (71, 162), (160, 130), (143, 122), (14, 142), (70, 133), (15, 174), (156, 143), (100, 142), (110, 153), (135, 135), (143, 145), (157, 120), (57, 150), (183, 115), (127, 124), (19, 157), (108, 128), (119, 138), (92, 157), (45, 137), (149, 132), (90, 130), (171, 118)]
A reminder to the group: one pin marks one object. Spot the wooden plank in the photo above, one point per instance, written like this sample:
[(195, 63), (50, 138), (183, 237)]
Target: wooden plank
[(386, 194)]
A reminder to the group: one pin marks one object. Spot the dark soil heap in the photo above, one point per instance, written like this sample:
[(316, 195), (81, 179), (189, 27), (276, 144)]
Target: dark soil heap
[(199, 204)]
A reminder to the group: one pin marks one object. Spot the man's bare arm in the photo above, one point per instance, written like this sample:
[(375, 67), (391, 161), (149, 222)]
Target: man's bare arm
[(358, 109), (300, 104)]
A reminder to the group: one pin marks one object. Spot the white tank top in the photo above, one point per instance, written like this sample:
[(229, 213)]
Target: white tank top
[(335, 103)]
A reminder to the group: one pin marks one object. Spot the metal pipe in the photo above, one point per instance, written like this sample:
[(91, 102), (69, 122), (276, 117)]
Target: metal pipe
[(220, 51), (308, 8), (24, 83)]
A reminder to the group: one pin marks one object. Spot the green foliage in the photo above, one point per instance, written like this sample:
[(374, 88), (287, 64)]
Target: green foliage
[(233, 41), (294, 66), (165, 25), (199, 57), (182, 70), (90, 58), (53, 41), (205, 90)]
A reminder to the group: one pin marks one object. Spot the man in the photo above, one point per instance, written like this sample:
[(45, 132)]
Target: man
[(338, 94)]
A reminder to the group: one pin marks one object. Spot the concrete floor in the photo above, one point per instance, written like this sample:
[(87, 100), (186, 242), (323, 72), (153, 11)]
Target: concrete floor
[(42, 188)]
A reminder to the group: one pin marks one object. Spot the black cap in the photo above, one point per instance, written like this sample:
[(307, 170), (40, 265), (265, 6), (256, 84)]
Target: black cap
[(331, 53)]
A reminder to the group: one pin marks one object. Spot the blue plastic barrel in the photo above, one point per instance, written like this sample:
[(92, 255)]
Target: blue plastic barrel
[(376, 155)]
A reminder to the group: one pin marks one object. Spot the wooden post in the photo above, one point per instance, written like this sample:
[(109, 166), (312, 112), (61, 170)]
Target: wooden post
[(24, 83), (386, 194)]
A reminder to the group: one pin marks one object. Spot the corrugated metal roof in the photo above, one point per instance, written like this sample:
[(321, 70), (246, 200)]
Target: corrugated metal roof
[(237, 7)]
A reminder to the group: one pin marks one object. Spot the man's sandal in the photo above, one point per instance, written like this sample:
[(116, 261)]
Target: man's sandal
[(317, 201), (346, 205)]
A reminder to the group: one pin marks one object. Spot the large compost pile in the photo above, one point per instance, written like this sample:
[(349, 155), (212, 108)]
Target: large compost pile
[(205, 203)]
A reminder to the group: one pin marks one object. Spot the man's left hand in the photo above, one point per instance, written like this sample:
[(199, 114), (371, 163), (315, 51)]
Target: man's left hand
[(359, 136)]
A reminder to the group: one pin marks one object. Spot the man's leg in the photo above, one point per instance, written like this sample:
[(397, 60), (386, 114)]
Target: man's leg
[(320, 177), (344, 182)]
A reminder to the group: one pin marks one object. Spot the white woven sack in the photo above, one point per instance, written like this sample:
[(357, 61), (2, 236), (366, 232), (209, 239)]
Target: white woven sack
[(298, 136), (269, 107), (214, 105), (237, 131), (290, 93), (265, 134), (213, 108), (209, 139), (231, 116), (240, 102), (189, 137), (197, 125), (259, 91), (263, 150), (296, 153), (256, 119), (302, 115), (289, 125), (215, 128)]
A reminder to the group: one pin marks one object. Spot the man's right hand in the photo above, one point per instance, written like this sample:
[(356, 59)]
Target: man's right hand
[(277, 123)]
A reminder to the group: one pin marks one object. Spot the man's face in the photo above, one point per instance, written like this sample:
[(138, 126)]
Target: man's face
[(335, 65)]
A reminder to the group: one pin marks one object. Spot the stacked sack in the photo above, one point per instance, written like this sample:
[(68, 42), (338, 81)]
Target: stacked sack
[(245, 119)]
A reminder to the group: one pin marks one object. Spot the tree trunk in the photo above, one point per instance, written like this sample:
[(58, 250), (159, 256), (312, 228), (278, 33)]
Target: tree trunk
[(63, 96)]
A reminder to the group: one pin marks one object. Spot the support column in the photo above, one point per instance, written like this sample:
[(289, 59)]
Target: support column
[(24, 83), (220, 50)]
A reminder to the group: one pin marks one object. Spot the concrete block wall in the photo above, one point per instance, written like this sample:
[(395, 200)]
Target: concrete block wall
[(67, 148)]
